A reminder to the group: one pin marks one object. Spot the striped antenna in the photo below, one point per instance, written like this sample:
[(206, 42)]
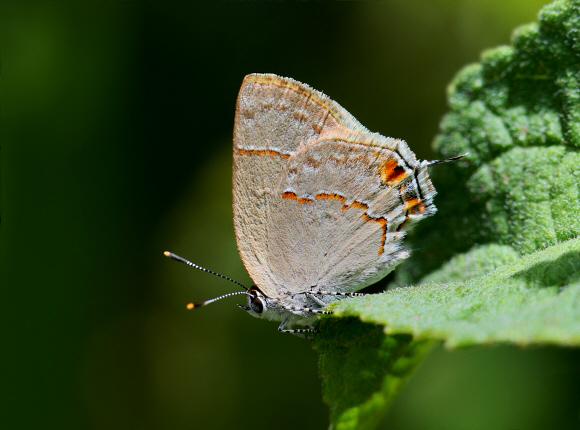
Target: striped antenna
[(189, 263), (207, 302), (445, 160)]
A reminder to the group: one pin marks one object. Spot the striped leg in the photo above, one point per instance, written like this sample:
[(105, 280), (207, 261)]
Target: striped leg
[(312, 295), (335, 293), (306, 310), (296, 332), (328, 293)]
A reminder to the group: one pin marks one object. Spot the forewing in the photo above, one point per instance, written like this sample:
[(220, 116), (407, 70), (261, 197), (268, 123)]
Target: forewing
[(274, 117)]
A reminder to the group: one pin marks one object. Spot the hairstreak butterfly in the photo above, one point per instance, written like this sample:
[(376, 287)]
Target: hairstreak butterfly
[(320, 202)]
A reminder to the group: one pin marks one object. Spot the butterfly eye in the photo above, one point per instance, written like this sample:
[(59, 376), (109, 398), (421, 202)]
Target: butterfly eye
[(257, 305)]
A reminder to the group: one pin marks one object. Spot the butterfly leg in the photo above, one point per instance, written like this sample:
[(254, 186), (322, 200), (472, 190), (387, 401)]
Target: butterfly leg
[(335, 293), (312, 295), (296, 332), (316, 299), (301, 310)]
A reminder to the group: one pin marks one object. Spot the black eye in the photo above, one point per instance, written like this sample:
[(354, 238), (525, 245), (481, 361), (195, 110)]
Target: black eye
[(257, 305)]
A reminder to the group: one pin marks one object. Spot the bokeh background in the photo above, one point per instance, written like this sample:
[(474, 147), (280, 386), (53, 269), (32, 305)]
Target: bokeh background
[(116, 126)]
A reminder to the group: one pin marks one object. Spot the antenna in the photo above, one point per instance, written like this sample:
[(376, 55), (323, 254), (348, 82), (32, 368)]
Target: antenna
[(207, 302), (446, 160), (189, 263)]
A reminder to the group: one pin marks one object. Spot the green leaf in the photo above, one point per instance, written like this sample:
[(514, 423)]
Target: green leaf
[(535, 299), (363, 369), (372, 344), (517, 115), (500, 261)]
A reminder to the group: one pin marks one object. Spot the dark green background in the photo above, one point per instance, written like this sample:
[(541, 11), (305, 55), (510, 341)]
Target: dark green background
[(116, 138)]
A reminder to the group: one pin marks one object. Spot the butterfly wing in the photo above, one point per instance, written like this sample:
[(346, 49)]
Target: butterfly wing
[(319, 201)]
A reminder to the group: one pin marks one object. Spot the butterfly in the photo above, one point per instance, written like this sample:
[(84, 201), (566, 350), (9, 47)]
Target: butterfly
[(320, 203)]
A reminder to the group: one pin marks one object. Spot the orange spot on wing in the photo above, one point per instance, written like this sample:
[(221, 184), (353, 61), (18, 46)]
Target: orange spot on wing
[(411, 203), (383, 223), (289, 195), (262, 152), (326, 196), (391, 172), (415, 206), (421, 208), (355, 205)]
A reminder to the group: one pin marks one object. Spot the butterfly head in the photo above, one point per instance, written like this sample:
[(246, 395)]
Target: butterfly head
[(257, 302)]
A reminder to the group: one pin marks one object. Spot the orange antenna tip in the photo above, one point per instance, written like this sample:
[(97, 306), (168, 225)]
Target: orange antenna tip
[(190, 306), (167, 253)]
